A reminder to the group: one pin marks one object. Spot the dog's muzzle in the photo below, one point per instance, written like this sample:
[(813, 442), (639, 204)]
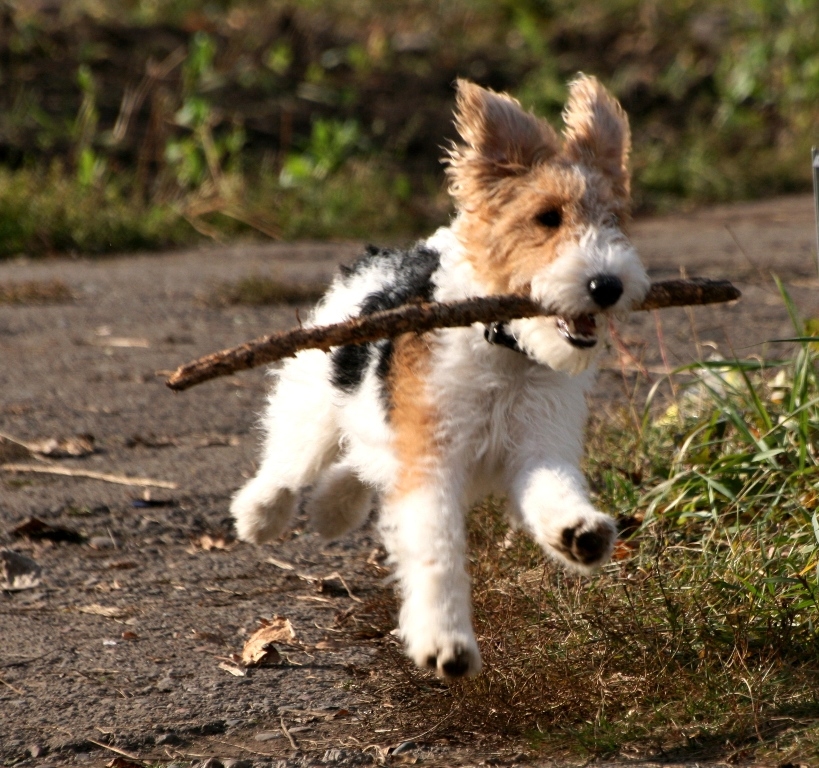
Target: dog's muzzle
[(580, 331), (605, 290), (499, 333)]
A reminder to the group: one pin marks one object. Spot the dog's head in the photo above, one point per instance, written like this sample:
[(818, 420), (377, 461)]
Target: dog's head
[(542, 215)]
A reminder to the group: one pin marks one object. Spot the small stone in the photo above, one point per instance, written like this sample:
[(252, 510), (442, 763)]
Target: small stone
[(17, 571), (267, 735), (36, 750), (168, 739), (213, 762), (102, 542), (232, 723), (406, 746), (165, 685), (237, 763)]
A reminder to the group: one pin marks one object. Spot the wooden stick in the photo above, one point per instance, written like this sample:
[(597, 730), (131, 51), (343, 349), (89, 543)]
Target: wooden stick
[(47, 469), (420, 318)]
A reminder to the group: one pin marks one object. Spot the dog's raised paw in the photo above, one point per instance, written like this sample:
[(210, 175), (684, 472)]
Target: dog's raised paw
[(589, 543)]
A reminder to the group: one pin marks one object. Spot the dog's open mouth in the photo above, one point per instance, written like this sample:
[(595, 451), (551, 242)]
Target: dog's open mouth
[(580, 331)]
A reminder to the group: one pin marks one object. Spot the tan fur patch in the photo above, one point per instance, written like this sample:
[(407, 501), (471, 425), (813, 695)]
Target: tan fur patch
[(414, 418), (502, 141), (597, 132), (505, 241), (513, 169)]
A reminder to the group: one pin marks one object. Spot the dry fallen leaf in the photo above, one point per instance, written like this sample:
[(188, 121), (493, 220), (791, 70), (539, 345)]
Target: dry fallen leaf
[(111, 612), (63, 447), (259, 648), (18, 571), (55, 447), (327, 645), (208, 543), (623, 550), (34, 528), (236, 671), (124, 762)]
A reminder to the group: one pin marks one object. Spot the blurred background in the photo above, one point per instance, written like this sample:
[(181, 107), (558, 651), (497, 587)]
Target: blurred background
[(142, 124)]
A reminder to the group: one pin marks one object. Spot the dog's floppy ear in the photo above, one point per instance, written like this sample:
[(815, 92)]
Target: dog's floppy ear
[(597, 131), (502, 139)]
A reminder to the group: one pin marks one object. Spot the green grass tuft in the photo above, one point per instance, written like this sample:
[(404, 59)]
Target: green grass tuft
[(327, 119), (43, 211)]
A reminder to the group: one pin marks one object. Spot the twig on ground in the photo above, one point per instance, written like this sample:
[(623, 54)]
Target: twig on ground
[(122, 752), (246, 749), (9, 685), (23, 662), (287, 734), (420, 318), (142, 482)]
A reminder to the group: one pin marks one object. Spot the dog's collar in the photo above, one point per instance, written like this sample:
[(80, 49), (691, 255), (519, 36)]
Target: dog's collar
[(498, 333)]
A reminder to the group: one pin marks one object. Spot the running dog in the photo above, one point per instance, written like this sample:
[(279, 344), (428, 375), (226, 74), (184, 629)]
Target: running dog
[(429, 424)]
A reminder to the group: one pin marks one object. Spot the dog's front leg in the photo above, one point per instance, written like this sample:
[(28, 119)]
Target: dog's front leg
[(423, 530), (553, 501)]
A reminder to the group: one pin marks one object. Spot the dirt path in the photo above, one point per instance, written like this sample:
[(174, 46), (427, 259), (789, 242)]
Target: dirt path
[(126, 642)]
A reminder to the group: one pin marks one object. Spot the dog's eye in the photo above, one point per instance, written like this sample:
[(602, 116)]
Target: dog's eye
[(550, 219)]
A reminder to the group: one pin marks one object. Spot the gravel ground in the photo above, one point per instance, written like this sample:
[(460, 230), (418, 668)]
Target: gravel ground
[(125, 643)]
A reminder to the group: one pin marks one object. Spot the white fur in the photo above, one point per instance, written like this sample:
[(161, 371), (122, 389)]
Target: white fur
[(510, 425), (563, 284), (504, 422)]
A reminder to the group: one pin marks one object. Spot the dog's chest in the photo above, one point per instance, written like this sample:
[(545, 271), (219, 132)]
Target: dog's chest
[(490, 399)]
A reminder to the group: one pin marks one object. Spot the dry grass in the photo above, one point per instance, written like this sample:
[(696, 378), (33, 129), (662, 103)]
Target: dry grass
[(700, 640), (262, 290), (35, 292)]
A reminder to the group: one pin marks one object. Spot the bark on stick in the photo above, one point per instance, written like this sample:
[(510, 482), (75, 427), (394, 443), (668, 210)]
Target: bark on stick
[(420, 318)]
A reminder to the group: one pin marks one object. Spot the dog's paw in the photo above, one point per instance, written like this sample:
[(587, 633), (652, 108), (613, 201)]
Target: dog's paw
[(588, 542), (339, 503), (449, 658), (262, 514)]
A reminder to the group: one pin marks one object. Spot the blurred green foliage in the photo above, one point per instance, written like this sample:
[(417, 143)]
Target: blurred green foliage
[(239, 117)]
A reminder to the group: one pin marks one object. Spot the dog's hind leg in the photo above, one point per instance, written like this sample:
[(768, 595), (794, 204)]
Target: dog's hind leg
[(301, 440), (339, 502)]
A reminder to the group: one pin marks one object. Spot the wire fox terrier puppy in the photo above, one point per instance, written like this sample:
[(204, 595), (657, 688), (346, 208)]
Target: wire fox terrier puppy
[(432, 423)]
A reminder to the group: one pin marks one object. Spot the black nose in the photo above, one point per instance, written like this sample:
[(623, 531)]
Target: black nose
[(605, 290)]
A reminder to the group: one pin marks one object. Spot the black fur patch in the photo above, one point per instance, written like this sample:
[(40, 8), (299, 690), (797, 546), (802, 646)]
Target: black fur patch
[(349, 364), (411, 280), (385, 349)]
